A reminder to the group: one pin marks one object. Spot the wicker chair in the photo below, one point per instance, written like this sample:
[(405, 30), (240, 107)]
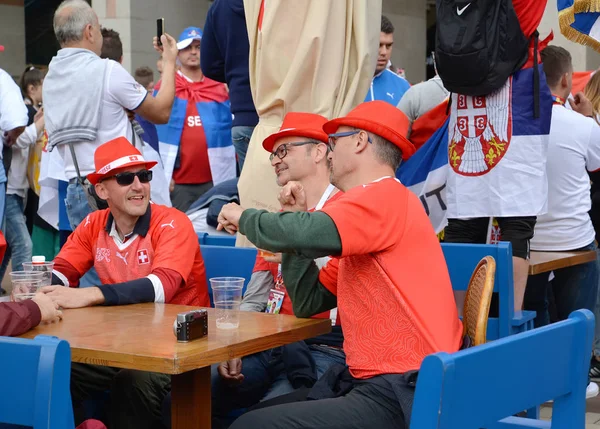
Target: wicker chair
[(477, 301)]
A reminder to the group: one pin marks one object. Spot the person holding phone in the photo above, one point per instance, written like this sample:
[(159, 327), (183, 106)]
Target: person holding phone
[(196, 146)]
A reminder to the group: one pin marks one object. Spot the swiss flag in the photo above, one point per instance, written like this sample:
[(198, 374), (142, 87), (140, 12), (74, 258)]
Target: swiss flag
[(143, 257)]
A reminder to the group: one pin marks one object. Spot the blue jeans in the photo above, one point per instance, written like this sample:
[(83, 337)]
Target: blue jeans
[(77, 209), (240, 136), (20, 246), (573, 288)]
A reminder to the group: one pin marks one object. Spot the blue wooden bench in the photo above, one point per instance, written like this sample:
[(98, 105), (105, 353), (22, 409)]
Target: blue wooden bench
[(35, 388), (216, 240), (227, 261), (485, 386), (462, 260)]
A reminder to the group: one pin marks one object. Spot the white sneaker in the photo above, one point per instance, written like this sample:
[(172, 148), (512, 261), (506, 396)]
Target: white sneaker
[(591, 390)]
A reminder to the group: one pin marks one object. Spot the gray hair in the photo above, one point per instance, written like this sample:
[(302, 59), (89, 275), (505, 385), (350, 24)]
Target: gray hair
[(386, 152), (69, 24)]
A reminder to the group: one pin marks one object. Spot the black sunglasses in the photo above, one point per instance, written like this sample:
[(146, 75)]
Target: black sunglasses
[(127, 178)]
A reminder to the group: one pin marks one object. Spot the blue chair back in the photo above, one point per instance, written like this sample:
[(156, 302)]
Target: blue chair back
[(216, 240), (462, 259), (35, 388), (226, 261), (484, 386)]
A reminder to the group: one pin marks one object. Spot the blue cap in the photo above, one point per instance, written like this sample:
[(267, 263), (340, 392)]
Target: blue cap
[(187, 36)]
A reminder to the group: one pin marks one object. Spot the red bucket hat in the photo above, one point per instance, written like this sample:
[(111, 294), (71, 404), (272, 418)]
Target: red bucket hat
[(298, 124), (379, 118), (114, 155)]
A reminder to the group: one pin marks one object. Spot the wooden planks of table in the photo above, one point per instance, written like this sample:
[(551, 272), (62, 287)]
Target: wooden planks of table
[(542, 262), (141, 337)]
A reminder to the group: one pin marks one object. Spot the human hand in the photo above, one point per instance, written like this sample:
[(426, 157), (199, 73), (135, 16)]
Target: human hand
[(292, 197), (38, 115), (271, 257), (67, 297), (582, 105), (229, 218), (10, 137), (172, 186), (48, 308), (231, 371), (168, 49)]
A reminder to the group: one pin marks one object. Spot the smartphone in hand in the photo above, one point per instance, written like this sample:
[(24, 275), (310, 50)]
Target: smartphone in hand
[(160, 29)]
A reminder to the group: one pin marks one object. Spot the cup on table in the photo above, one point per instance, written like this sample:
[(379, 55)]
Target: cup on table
[(25, 284), (43, 267), (227, 295)]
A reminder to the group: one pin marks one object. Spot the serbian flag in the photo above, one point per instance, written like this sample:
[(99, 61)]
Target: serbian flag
[(580, 80), (579, 21), (425, 173), (213, 107), (497, 150)]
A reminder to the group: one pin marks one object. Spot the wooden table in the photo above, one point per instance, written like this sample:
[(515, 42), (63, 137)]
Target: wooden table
[(141, 337), (543, 262)]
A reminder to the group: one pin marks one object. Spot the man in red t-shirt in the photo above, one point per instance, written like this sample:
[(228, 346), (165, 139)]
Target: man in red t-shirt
[(143, 253), (391, 283)]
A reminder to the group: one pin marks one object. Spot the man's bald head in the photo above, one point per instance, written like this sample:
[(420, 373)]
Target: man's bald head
[(71, 20)]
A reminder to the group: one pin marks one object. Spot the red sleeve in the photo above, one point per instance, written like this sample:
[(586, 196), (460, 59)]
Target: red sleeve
[(65, 272), (364, 224), (329, 274), (175, 248), (530, 14), (78, 248), (17, 318), (171, 281)]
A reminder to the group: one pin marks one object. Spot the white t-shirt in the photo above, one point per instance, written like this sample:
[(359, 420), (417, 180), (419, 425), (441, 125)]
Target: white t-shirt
[(574, 149), (120, 91)]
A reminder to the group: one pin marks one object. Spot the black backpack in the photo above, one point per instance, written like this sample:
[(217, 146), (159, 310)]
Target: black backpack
[(479, 44)]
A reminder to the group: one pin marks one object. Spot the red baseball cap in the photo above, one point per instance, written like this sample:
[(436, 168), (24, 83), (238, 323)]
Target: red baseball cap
[(298, 124), (114, 155), (379, 118)]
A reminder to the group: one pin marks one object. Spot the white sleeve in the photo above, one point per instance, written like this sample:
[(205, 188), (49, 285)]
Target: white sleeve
[(409, 103), (28, 138), (13, 112), (593, 152), (123, 88)]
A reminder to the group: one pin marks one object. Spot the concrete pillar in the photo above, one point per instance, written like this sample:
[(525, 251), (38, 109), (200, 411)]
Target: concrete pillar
[(12, 36), (410, 41)]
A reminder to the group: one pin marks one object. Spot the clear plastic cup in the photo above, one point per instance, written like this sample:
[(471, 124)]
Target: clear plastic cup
[(227, 296), (25, 284), (44, 267)]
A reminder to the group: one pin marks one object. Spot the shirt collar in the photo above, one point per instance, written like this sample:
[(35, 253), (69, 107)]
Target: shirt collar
[(142, 226)]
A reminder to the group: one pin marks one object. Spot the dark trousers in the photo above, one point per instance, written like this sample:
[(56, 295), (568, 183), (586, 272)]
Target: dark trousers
[(135, 396), (365, 406), (183, 196), (572, 288)]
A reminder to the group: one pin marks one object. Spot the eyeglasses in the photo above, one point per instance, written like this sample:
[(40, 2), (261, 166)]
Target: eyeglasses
[(333, 137), (127, 178), (282, 150)]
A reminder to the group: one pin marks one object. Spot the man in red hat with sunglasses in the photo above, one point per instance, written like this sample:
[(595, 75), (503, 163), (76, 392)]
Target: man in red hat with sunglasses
[(389, 266), (143, 253)]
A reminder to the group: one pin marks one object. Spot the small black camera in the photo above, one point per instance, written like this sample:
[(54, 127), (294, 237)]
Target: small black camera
[(190, 325)]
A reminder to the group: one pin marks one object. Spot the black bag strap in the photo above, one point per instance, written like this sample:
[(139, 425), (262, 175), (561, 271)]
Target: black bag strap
[(75, 163), (536, 76)]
